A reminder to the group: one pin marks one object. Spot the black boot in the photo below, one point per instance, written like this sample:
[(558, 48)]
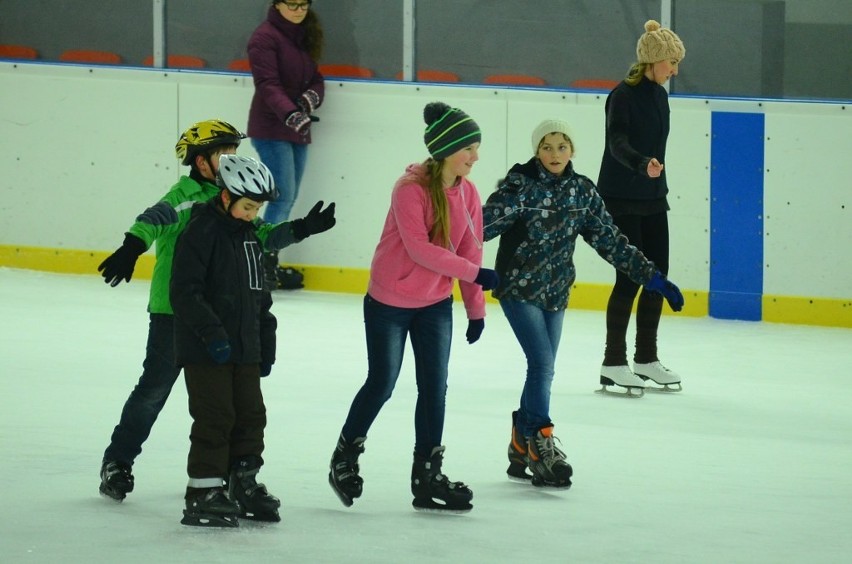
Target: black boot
[(270, 271), (209, 507), (254, 501), (116, 480), (432, 490), (517, 470), (343, 474)]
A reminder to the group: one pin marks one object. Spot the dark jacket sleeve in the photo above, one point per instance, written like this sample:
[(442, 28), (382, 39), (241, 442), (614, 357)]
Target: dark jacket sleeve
[(193, 253), (268, 326), (618, 128)]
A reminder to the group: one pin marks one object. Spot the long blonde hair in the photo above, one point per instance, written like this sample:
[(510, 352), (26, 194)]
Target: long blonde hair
[(439, 233), (635, 73)]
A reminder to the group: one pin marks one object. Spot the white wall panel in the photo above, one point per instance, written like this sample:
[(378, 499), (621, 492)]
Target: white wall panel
[(83, 151)]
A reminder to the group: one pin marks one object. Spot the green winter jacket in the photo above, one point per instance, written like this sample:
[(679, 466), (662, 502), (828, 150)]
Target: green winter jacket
[(165, 220)]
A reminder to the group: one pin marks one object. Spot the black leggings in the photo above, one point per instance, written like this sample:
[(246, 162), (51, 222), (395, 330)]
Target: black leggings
[(650, 234)]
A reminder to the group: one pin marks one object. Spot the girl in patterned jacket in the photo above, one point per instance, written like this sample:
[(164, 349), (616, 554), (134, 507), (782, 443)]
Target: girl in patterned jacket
[(538, 211), (432, 236)]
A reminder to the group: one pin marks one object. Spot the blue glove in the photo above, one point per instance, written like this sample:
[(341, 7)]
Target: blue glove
[(474, 329), (661, 285), (265, 369), (219, 350), (487, 278)]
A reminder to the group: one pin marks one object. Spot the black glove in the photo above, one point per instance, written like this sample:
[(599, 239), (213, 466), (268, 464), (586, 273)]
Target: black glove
[(120, 264), (219, 350), (474, 330), (309, 101), (487, 278), (315, 222), (660, 285), (300, 122), (265, 369)]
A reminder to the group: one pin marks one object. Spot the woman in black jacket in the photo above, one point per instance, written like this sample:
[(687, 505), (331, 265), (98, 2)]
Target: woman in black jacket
[(633, 185)]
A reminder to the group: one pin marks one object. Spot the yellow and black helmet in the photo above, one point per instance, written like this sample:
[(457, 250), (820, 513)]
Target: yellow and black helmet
[(204, 136)]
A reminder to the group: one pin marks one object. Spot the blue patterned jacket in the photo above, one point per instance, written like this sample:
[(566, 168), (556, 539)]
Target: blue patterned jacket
[(538, 217)]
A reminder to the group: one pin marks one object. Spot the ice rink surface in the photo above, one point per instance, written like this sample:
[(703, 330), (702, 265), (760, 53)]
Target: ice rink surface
[(752, 462)]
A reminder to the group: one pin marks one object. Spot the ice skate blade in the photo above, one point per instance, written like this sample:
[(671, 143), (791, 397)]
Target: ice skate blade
[(517, 472), (341, 495), (210, 520), (630, 392), (111, 497), (272, 517), (547, 486), (431, 506), (665, 389)]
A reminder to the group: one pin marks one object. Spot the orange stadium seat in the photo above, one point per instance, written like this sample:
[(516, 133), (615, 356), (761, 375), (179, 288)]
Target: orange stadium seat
[(431, 75), (178, 62), (90, 56), (346, 71), (594, 84), (241, 65), (17, 52), (514, 79)]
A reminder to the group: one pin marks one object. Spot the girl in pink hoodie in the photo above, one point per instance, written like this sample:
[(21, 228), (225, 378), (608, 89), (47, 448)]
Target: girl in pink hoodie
[(432, 236)]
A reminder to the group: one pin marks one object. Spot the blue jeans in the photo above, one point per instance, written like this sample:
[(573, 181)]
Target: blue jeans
[(286, 161), (538, 331), (147, 399), (387, 327)]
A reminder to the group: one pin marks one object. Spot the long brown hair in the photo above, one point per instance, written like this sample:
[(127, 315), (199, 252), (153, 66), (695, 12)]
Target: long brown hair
[(439, 233), (314, 36)]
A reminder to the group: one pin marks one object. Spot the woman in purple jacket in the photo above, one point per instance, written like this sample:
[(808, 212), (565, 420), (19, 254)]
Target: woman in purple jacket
[(283, 52)]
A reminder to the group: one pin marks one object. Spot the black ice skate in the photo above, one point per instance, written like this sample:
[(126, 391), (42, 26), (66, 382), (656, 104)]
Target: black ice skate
[(211, 508), (517, 470), (343, 473), (433, 491), (254, 501), (547, 462), (116, 480)]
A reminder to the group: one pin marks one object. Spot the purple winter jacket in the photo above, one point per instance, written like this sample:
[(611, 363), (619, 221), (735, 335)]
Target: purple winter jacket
[(282, 71)]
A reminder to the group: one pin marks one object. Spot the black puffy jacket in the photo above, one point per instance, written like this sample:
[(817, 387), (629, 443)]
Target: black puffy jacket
[(217, 291)]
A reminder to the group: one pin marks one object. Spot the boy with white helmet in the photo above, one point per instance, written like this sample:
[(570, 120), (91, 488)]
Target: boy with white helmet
[(225, 342)]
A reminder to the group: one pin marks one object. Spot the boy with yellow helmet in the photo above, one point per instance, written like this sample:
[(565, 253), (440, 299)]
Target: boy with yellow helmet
[(199, 147)]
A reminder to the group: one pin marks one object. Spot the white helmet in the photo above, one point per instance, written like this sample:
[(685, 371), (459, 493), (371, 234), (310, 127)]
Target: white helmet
[(245, 177)]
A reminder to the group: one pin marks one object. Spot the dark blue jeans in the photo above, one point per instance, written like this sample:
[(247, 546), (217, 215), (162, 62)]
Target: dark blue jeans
[(538, 331), (387, 327), (150, 394)]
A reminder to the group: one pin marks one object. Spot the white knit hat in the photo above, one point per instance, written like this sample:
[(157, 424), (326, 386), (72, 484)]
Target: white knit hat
[(658, 44), (550, 126)]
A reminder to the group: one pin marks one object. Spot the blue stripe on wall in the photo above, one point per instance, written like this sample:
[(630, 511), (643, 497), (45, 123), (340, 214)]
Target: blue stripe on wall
[(736, 215)]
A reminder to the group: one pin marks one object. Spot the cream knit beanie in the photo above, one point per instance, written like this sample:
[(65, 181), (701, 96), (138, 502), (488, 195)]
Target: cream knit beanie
[(658, 44), (550, 126)]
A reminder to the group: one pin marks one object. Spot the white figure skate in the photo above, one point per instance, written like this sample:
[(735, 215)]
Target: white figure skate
[(622, 377), (660, 375)]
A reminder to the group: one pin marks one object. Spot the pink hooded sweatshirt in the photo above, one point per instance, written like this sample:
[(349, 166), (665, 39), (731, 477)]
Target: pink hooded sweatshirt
[(410, 271)]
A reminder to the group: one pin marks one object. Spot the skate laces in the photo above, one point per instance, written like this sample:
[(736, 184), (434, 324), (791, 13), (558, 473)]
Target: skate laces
[(546, 446)]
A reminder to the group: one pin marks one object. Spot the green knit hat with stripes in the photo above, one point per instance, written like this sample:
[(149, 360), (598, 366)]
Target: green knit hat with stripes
[(448, 130)]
